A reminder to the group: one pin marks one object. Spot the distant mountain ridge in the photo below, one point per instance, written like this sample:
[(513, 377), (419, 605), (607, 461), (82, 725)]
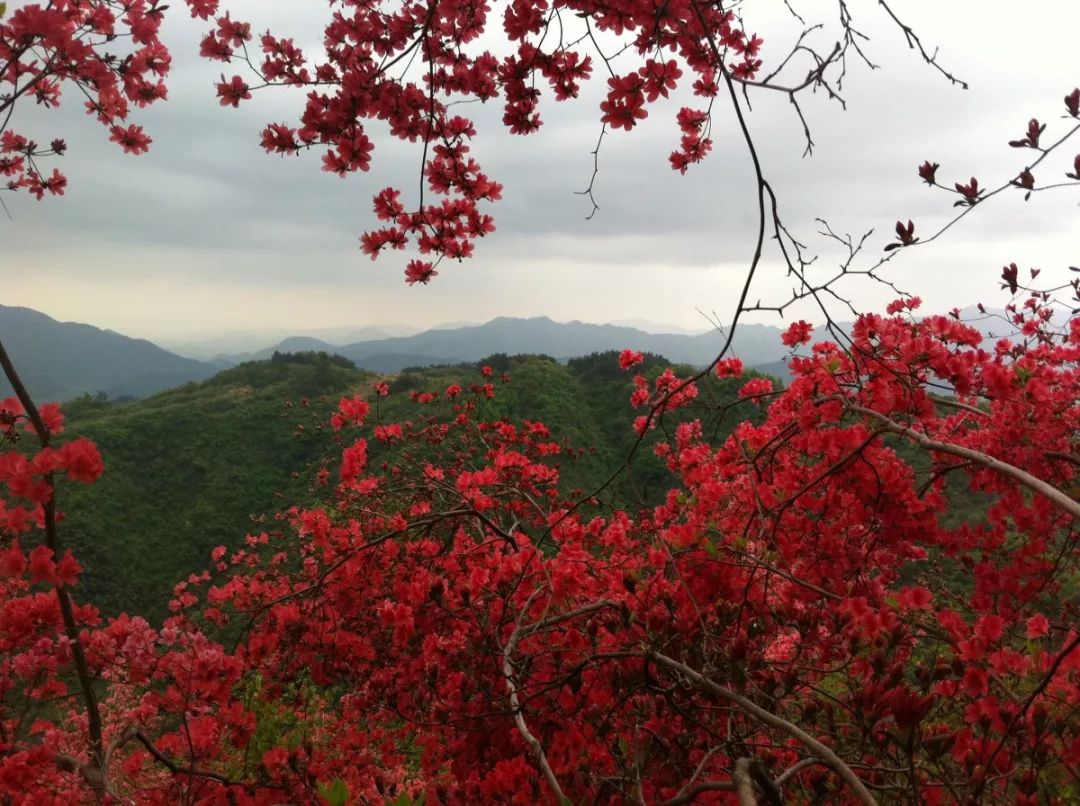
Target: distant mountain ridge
[(233, 344), (758, 345), (62, 360), (754, 343)]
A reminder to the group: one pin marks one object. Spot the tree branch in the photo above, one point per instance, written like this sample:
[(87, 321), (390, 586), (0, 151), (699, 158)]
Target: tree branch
[(515, 704), (1033, 483), (67, 612), (826, 753), (175, 768), (744, 784)]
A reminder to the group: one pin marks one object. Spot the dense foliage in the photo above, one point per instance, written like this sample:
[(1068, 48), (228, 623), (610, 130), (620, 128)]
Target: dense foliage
[(441, 620), (246, 444), (448, 618), (188, 469)]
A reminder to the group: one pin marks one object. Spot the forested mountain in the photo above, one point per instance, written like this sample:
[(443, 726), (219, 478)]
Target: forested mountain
[(755, 344), (189, 468), (61, 360), (453, 343)]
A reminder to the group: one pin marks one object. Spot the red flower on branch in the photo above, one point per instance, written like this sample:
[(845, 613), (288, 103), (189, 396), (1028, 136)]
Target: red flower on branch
[(131, 138), (233, 91), (970, 192), (1072, 103), (1031, 139), (797, 333), (905, 235), (928, 172), (629, 359)]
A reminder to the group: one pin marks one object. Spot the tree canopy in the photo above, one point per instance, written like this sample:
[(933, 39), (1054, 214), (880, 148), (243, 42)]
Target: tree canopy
[(446, 623)]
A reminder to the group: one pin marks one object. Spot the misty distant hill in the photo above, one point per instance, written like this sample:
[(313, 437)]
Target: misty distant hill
[(373, 361), (447, 344), (62, 360), (755, 344), (294, 344), (776, 369), (231, 347)]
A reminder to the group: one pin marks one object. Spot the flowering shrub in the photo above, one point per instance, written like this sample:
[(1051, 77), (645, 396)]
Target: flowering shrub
[(804, 617), (450, 623)]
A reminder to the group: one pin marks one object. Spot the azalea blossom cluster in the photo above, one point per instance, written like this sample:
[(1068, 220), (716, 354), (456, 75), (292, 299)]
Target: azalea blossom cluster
[(362, 79), (108, 51), (448, 624), (785, 604), (29, 485)]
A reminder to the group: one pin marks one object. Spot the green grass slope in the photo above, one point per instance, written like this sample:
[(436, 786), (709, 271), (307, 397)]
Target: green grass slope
[(188, 469), (185, 470)]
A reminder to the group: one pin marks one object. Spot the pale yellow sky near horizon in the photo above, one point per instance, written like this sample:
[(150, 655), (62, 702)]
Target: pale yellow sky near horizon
[(206, 234)]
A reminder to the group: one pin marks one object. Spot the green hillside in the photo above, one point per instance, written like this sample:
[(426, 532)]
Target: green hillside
[(188, 469), (185, 470), (61, 360)]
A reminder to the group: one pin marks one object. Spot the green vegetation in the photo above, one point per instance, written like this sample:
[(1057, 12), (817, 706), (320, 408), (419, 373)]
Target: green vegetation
[(187, 469), (207, 463)]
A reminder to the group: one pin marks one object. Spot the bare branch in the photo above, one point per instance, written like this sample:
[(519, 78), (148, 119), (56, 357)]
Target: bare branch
[(178, 769), (744, 784), (515, 704), (1033, 483), (820, 749)]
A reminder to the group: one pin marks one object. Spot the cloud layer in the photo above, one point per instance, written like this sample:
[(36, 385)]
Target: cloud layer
[(207, 233)]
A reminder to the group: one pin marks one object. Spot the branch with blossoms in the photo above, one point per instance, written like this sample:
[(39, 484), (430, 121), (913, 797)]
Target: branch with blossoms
[(515, 705), (768, 218), (80, 461), (822, 751), (970, 192), (562, 598), (711, 44), (1034, 483), (57, 738), (77, 44), (971, 195)]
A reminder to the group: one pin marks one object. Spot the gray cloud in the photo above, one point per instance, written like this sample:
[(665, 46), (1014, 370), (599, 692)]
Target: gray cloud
[(209, 232)]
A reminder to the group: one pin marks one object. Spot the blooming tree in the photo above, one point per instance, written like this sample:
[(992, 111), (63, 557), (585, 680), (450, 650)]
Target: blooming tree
[(804, 617), (108, 51)]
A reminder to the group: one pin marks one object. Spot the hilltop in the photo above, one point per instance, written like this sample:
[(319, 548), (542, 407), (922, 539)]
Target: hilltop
[(62, 360), (206, 463)]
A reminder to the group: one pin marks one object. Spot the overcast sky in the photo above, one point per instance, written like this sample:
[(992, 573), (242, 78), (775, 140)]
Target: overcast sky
[(207, 233)]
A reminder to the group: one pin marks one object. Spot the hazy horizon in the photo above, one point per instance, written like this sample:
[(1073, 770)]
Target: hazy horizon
[(339, 335), (208, 235)]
